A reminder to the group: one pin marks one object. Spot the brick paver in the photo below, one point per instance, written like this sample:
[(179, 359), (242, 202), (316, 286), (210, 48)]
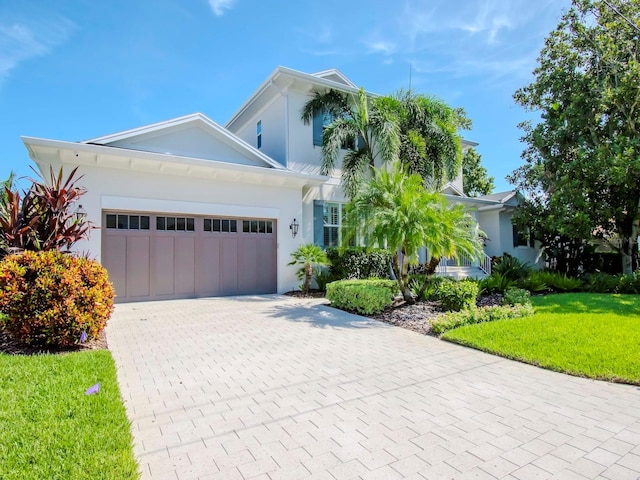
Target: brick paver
[(270, 387)]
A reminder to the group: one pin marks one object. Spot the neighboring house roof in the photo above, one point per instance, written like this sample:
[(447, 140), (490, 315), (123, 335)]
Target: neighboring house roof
[(500, 197), (190, 136)]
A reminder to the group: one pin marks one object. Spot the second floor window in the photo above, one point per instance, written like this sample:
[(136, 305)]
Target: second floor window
[(259, 133)]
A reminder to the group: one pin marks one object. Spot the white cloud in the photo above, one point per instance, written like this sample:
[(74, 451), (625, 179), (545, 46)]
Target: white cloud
[(381, 46), (219, 6), (24, 40)]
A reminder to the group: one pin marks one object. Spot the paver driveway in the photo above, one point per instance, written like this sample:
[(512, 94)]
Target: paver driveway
[(272, 387)]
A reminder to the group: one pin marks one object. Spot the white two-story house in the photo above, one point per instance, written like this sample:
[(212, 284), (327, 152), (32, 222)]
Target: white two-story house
[(188, 207)]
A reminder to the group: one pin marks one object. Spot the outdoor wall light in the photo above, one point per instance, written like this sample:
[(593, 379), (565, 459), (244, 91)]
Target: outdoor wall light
[(80, 213), (294, 228)]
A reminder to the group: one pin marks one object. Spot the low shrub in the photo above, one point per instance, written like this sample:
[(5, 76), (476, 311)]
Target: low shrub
[(452, 320), (322, 277), (511, 267), (560, 282), (362, 296), (456, 296), (534, 283), (496, 283), (50, 298), (601, 282), (358, 263), (516, 296), (629, 283), (424, 287)]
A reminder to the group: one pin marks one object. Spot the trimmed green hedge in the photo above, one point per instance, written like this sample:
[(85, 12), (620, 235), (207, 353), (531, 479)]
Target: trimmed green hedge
[(362, 296), (452, 320), (456, 296), (358, 262)]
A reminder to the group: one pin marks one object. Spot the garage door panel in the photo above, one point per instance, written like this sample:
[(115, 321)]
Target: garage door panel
[(165, 265), (114, 255), (185, 266), (247, 265), (229, 266), (266, 268), (138, 264), (208, 267)]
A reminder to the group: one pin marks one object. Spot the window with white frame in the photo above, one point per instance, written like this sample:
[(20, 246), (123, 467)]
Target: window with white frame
[(332, 216)]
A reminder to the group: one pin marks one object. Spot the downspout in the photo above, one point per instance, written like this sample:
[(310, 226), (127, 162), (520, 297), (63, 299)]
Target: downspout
[(285, 94)]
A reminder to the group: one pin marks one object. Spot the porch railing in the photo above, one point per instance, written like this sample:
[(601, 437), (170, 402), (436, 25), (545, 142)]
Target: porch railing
[(484, 264)]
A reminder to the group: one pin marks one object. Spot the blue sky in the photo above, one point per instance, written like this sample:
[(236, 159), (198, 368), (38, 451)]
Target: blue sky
[(77, 69)]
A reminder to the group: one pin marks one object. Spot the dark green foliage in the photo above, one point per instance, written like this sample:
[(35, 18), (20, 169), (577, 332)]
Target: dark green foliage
[(496, 283), (582, 172), (516, 296), (476, 180), (629, 283), (424, 287), (534, 283), (358, 262), (511, 267), (453, 320), (322, 277), (366, 297), (456, 296), (560, 282), (601, 282)]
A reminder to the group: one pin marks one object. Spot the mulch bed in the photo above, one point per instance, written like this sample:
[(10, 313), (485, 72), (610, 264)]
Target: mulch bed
[(416, 317), (11, 347)]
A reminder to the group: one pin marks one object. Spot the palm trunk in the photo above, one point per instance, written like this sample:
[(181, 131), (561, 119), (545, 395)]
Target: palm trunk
[(308, 275), (401, 271)]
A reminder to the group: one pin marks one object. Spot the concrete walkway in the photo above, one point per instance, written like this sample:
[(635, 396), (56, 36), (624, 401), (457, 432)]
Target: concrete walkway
[(272, 387)]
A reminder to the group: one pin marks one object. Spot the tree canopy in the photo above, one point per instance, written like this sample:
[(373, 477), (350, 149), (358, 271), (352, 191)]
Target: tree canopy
[(476, 179), (582, 162), (420, 131)]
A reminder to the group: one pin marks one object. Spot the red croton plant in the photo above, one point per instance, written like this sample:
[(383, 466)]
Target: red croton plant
[(42, 219)]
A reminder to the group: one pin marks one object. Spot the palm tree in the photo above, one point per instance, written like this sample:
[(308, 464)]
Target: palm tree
[(430, 144), (395, 211), (310, 257), (370, 132), (422, 131)]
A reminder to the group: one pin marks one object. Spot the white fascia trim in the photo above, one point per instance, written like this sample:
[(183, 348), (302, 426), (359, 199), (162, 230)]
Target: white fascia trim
[(192, 118), (475, 200), (134, 204), (170, 159), (295, 74)]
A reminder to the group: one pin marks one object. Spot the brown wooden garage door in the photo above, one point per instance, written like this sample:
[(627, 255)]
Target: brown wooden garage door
[(157, 256)]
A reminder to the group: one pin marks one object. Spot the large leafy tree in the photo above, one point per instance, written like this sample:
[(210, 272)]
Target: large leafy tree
[(419, 130), (476, 180), (582, 170), (394, 210)]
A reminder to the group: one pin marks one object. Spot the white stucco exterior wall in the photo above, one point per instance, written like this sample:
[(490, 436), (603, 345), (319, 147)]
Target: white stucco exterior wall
[(124, 189)]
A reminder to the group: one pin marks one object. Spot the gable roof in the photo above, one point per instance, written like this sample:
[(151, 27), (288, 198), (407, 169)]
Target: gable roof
[(335, 75), (283, 77), (141, 139)]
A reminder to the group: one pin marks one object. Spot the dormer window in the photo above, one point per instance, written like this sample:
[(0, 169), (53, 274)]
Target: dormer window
[(259, 133)]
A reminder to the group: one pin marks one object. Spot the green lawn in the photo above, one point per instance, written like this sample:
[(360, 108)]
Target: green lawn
[(592, 335), (50, 429)]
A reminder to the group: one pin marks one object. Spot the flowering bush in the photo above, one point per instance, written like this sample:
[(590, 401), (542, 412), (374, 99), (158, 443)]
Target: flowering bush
[(51, 298)]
